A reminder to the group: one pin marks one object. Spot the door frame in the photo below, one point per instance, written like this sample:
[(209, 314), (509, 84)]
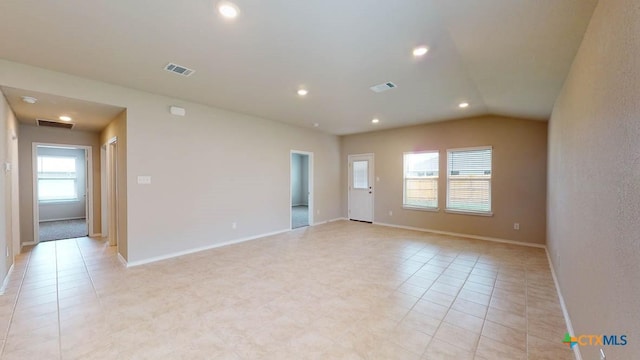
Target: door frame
[(349, 182), (88, 185), (110, 205), (310, 184)]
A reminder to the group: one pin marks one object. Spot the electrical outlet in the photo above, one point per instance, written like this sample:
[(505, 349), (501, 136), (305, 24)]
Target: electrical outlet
[(317, 212), (234, 225), (390, 212), (516, 226)]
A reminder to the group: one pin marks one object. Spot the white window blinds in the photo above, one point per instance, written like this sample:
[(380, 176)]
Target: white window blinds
[(469, 180)]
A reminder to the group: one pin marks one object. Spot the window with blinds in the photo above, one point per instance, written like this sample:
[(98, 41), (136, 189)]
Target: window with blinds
[(469, 180), (57, 178), (421, 179)]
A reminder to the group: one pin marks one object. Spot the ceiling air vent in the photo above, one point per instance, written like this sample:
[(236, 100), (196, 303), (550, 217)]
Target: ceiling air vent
[(55, 124), (180, 70), (383, 87)]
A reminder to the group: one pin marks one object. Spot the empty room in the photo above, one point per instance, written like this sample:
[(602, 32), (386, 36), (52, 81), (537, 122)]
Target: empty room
[(250, 179)]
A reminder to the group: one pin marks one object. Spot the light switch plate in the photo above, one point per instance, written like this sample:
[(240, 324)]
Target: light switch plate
[(144, 180)]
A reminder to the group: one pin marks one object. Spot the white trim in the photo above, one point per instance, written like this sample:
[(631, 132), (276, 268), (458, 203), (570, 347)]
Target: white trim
[(63, 219), (419, 208), (202, 248), (565, 312), (3, 288), (489, 147), (476, 237), (463, 212), (88, 167), (95, 235), (330, 221), (122, 260), (27, 243)]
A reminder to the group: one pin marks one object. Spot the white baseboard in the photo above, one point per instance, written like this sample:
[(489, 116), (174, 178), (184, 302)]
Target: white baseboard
[(476, 237), (329, 221), (122, 260), (203, 248), (27, 243), (6, 280), (95, 235), (565, 312)]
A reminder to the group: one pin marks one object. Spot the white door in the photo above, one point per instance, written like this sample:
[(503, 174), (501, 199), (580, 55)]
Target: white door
[(361, 187)]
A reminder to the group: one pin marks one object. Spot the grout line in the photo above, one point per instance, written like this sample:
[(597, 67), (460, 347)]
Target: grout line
[(55, 252), (15, 303)]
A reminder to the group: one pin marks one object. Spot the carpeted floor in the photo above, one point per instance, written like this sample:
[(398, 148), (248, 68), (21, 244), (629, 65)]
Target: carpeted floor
[(64, 229), (299, 216)]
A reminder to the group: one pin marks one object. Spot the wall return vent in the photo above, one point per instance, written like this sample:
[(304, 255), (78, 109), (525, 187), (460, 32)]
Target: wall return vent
[(55, 124), (179, 70)]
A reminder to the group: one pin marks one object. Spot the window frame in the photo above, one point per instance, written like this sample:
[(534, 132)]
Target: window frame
[(404, 183), (51, 175), (448, 209)]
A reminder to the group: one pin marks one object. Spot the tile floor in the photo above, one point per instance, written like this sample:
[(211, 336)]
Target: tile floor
[(342, 290)]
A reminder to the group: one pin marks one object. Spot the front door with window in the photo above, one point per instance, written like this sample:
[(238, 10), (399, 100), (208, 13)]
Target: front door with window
[(361, 187)]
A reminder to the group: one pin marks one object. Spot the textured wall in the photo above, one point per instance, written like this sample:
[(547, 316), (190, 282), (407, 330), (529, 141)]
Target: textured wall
[(594, 181), (518, 180)]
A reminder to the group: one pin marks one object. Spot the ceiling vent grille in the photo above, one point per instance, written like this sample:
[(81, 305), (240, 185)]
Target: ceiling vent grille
[(178, 69), (383, 87), (55, 124)]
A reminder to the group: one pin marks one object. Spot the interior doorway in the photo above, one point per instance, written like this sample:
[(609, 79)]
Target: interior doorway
[(301, 195), (109, 193), (62, 191), (361, 187)]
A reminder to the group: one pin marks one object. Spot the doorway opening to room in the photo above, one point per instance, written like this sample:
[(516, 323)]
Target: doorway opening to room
[(62, 196), (109, 190), (301, 189)]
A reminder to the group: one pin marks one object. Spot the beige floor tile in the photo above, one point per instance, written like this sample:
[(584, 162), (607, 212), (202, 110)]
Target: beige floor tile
[(337, 291), (440, 350)]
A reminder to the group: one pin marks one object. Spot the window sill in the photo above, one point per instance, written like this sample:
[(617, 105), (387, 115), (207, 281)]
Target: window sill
[(463, 212), (419, 208), (58, 202)]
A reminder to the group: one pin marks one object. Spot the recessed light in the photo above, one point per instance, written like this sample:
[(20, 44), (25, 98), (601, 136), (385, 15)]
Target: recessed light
[(420, 51), (463, 105), (303, 92), (65, 118), (228, 10), (29, 99), (316, 124), (375, 121)]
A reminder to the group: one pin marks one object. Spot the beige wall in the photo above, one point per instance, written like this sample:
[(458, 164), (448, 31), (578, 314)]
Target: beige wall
[(518, 181), (594, 181), (118, 128), (9, 205), (30, 134), (209, 168)]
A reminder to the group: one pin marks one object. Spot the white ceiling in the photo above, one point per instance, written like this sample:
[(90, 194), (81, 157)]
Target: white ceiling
[(87, 116), (504, 57)]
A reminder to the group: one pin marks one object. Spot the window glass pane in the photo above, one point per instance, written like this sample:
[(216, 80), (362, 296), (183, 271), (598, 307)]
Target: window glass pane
[(56, 164), (57, 189), (421, 179), (361, 174), (57, 178), (469, 180)]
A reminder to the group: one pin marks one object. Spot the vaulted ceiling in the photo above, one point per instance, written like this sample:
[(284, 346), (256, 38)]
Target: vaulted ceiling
[(504, 57)]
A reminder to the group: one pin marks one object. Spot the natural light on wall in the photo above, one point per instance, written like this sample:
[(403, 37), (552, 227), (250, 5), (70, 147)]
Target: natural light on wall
[(57, 178), (421, 180)]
